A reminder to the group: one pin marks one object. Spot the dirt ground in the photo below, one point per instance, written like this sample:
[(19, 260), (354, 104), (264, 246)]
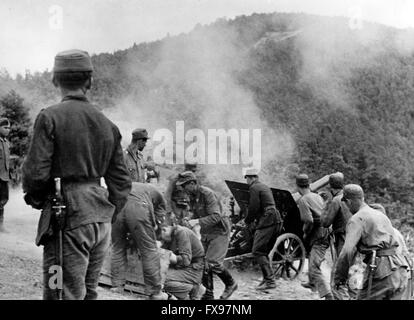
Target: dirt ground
[(21, 273)]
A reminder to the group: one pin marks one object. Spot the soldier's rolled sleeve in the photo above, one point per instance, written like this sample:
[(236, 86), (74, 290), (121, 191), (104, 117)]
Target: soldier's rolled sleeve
[(329, 213), (213, 212), (117, 178), (348, 252), (254, 206), (36, 170), (305, 216)]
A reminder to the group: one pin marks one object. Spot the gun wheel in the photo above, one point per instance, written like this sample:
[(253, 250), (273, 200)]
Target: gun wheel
[(287, 257)]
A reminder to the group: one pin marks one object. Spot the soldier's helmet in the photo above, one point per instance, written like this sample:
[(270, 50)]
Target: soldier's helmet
[(4, 122), (353, 191), (336, 180), (250, 172), (302, 180), (72, 61), (185, 177), (140, 133)]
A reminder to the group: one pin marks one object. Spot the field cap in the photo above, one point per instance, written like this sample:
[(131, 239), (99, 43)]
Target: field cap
[(72, 61)]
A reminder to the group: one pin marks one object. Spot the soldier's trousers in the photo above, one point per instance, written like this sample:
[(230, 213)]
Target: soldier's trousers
[(180, 282), (389, 288), (342, 292), (4, 197), (215, 247), (136, 219), (84, 250), (316, 257)]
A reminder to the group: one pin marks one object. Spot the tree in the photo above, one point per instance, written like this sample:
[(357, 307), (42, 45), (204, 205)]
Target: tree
[(12, 107)]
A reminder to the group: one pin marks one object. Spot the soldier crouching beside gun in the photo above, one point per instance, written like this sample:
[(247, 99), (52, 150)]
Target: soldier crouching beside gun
[(186, 261), (74, 141), (371, 233)]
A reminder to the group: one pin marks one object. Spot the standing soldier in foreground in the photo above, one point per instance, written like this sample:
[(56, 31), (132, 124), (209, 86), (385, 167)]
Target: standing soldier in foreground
[(4, 168), (265, 221), (215, 233), (371, 233), (74, 141), (337, 214), (134, 158), (310, 206)]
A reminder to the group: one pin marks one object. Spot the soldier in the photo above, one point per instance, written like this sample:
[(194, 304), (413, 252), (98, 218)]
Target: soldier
[(401, 249), (143, 213), (177, 198), (371, 233), (134, 158), (4, 168), (310, 206), (74, 141), (153, 172), (186, 261), (265, 222), (215, 233), (336, 214)]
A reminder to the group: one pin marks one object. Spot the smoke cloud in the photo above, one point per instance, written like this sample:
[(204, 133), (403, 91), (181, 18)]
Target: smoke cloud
[(196, 81)]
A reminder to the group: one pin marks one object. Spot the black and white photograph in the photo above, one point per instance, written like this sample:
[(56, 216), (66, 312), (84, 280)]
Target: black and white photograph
[(227, 151)]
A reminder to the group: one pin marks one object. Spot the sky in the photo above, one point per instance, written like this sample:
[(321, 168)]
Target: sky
[(33, 31)]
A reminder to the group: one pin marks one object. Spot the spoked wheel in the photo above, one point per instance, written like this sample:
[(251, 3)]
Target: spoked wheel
[(287, 257)]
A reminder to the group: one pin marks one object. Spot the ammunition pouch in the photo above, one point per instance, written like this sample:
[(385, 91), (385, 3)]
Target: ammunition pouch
[(46, 226), (269, 218)]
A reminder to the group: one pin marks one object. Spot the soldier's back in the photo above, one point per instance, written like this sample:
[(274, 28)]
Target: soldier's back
[(84, 137)]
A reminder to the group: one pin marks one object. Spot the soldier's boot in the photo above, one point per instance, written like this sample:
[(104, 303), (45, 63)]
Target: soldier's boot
[(229, 282), (208, 283), (268, 278), (329, 296), (193, 294), (2, 229), (159, 296)]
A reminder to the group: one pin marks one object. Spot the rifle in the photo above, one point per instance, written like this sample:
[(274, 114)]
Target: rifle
[(372, 267), (58, 210)]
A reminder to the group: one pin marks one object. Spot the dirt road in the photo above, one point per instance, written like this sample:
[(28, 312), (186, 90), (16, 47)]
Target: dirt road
[(21, 272)]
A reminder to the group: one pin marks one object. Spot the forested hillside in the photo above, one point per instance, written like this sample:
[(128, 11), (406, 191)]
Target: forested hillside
[(327, 96)]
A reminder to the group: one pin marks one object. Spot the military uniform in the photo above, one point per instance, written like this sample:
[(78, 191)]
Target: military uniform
[(134, 161), (215, 234), (310, 207), (4, 172), (144, 210), (73, 140), (337, 214), (188, 271), (268, 225), (368, 230)]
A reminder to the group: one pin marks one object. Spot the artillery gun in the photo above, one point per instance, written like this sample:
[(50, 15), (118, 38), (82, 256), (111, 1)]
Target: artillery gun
[(288, 252)]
